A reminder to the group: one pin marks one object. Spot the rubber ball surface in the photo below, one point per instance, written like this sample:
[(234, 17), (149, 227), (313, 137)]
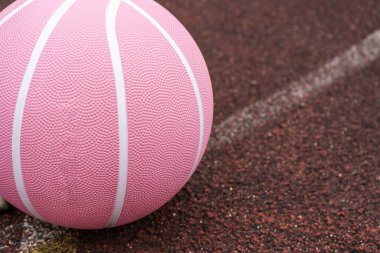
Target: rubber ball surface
[(105, 109)]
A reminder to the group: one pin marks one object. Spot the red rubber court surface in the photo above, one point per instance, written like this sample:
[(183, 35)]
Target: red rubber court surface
[(294, 160)]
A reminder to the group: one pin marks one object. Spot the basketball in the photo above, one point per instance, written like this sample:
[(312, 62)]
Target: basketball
[(106, 109)]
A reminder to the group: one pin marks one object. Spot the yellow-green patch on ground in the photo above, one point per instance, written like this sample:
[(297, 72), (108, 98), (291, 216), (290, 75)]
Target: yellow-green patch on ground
[(66, 243)]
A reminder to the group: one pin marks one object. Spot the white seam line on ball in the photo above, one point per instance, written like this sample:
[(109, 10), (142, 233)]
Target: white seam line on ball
[(111, 13), (21, 99), (15, 11), (241, 123), (189, 71)]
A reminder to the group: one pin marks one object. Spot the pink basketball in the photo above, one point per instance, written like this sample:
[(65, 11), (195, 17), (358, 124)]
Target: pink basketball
[(105, 109)]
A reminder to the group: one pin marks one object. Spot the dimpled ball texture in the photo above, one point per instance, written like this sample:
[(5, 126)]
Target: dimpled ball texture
[(105, 109)]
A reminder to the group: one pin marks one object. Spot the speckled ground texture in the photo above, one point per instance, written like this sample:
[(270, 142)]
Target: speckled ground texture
[(308, 181)]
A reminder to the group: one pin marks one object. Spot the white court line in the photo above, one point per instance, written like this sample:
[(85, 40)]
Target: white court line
[(240, 124), (37, 233)]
